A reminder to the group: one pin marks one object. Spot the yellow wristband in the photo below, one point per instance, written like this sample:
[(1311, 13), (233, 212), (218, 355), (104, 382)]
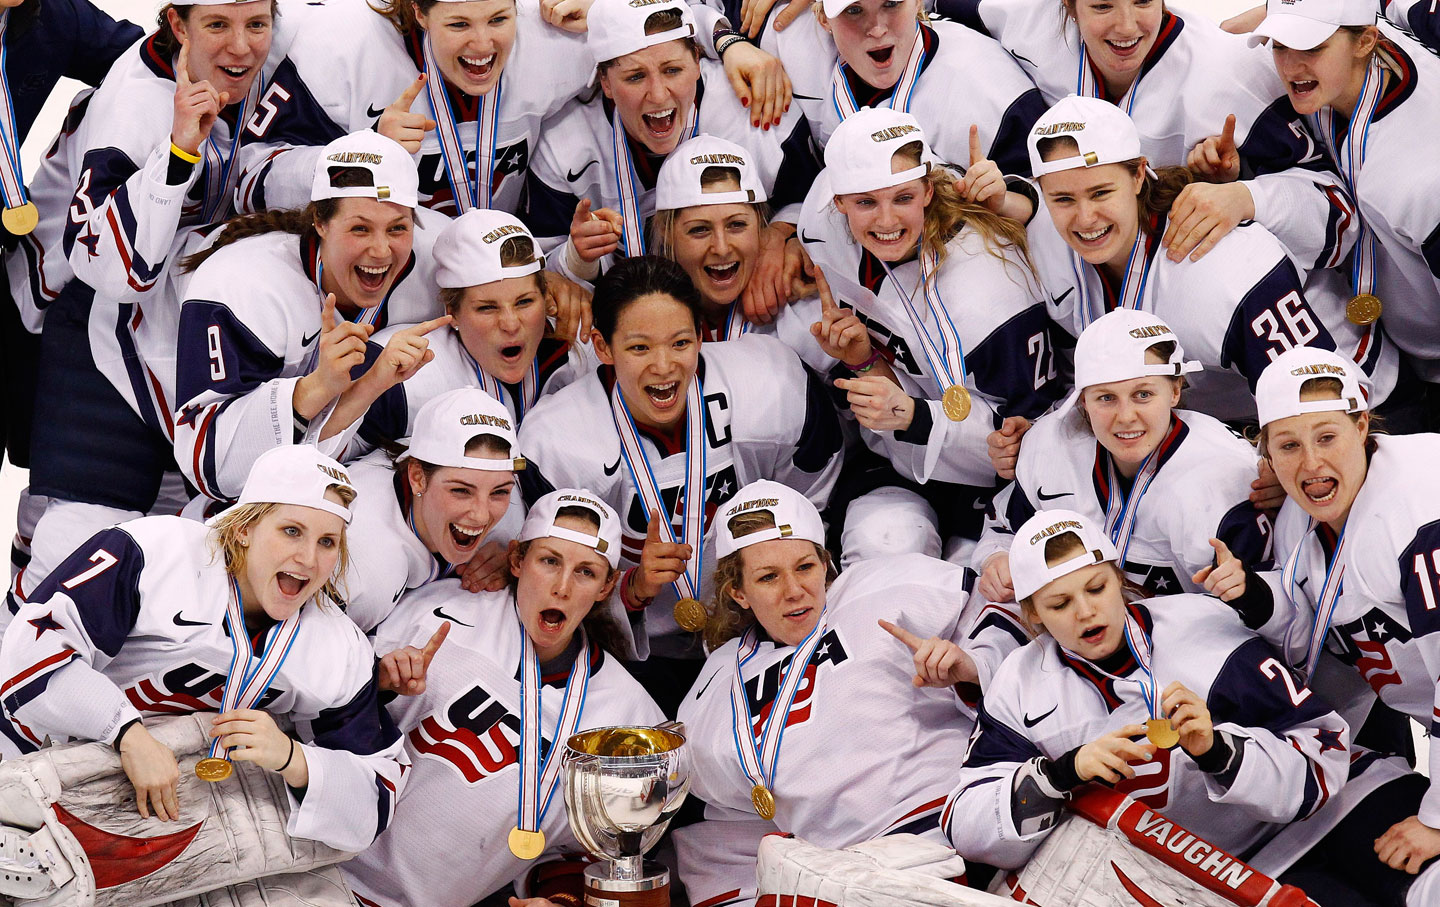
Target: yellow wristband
[(184, 155)]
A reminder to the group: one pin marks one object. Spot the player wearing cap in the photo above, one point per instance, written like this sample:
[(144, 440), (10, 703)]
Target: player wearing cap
[(486, 714), (1234, 310), (791, 650), (1163, 481), (1369, 91), (258, 369), (152, 618)]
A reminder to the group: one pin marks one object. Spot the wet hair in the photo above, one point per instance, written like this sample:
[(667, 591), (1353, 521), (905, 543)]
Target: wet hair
[(634, 278), (726, 619), (167, 43), (1157, 193), (1328, 386), (226, 541)]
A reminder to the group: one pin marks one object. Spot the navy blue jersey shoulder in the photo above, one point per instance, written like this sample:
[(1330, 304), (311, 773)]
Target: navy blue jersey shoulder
[(1419, 566), (1017, 364), (102, 578), (245, 361), (996, 741), (1272, 317)]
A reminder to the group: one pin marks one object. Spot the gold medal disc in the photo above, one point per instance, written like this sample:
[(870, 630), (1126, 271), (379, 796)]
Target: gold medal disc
[(763, 801), (690, 615), (22, 220), (527, 845), (956, 403), (213, 769), (1162, 733), (1364, 309)]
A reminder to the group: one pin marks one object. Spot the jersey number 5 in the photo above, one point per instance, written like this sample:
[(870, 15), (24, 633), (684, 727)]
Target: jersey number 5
[(1288, 324)]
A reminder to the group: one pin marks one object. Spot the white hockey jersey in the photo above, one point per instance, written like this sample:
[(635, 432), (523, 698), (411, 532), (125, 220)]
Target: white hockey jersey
[(998, 310), (249, 330), (447, 844), (1200, 491), (782, 428), (856, 687), (136, 627), (1292, 752), (1420, 19)]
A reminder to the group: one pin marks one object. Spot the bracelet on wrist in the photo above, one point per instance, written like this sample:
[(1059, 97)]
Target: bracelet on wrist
[(289, 758), (728, 41), (188, 157), (867, 365)]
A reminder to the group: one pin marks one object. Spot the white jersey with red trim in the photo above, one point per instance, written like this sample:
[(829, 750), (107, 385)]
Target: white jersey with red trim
[(1419, 19), (1291, 752), (857, 685), (783, 428), (1200, 490), (462, 735), (133, 624), (249, 331)]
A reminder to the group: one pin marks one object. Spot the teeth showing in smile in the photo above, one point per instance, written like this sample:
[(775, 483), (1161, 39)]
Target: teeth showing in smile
[(661, 120), (723, 272), (797, 613), (1092, 235), (1304, 86), (374, 272), (480, 61), (663, 393), (1129, 435), (889, 237), (235, 71), (1126, 45)]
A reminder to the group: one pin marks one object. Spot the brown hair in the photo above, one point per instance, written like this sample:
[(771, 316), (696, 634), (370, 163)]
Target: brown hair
[(599, 625), (656, 23), (1329, 385), (1157, 192), (167, 43), (225, 541), (514, 251), (726, 619)]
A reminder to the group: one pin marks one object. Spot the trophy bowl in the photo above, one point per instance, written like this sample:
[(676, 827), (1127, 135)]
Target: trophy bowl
[(622, 786)]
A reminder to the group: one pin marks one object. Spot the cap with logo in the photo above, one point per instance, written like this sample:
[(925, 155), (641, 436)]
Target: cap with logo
[(296, 474), (615, 28), (467, 252), (1029, 573), (680, 182), (445, 425), (540, 522), (861, 150), (1113, 348), (1304, 24), (795, 517), (1277, 393), (1102, 131), (392, 175)]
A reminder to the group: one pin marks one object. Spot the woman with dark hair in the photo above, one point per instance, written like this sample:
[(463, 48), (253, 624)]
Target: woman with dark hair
[(673, 430)]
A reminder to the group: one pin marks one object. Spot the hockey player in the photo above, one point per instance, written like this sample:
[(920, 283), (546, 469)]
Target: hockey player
[(793, 653), (1161, 480), (521, 670), (1369, 91), (672, 430), (256, 367), (240, 616)]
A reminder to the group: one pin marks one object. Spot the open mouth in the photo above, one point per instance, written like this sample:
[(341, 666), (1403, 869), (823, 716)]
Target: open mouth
[(1125, 48), (798, 613), (663, 395), (477, 67), (511, 353), (1094, 634), (1129, 435), (659, 124), (888, 236), (1093, 237), (291, 584), (371, 279), (465, 538), (1321, 490), (1303, 87), (235, 72), (552, 618), (882, 55), (723, 273)]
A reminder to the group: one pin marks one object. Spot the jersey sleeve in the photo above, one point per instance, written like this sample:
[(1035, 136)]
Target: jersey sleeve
[(1418, 17), (980, 820), (1015, 365), (1273, 316), (1009, 508), (1419, 566), (98, 41), (73, 625), (274, 175), (1248, 533)]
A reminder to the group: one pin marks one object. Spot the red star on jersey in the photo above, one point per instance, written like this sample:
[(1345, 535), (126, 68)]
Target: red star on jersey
[(48, 622)]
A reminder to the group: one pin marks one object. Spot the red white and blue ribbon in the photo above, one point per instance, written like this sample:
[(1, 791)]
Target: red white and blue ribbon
[(946, 358), (1143, 651), (632, 237), (473, 187), (843, 100), (249, 677), (735, 324), (220, 173), (529, 386), (1122, 510), (1087, 87), (1329, 595), (1132, 293), (1350, 154), (538, 776), (12, 174)]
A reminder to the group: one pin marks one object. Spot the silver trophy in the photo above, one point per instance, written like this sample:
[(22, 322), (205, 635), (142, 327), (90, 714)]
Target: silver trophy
[(622, 787)]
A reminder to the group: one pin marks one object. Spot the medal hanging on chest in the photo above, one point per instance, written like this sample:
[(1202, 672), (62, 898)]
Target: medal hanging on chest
[(945, 358), (472, 187), (220, 174), (1158, 729), (20, 215)]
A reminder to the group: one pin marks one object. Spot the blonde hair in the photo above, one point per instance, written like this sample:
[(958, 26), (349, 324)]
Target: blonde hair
[(1059, 549), (226, 541), (727, 619)]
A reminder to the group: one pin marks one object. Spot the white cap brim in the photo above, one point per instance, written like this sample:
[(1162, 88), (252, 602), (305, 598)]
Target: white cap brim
[(1295, 32), (848, 184)]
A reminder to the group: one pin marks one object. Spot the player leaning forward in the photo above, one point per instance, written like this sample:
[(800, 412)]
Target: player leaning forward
[(1174, 702), (158, 617)]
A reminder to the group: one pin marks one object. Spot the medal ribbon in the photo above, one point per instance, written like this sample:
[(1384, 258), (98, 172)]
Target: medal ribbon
[(1121, 510), (632, 239), (843, 100), (249, 678), (759, 763), (529, 386), (1328, 600), (538, 776), (1132, 294), (1087, 87), (947, 358), (1350, 154), (1142, 650), (693, 517), (365, 316), (466, 184), (436, 571), (12, 176), (220, 174), (735, 324)]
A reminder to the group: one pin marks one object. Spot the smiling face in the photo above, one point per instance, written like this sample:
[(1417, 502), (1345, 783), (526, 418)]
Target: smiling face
[(228, 43), (1094, 210), (783, 582), (1320, 460), (364, 248), (1329, 74), (874, 38), (558, 582), (889, 223), (1131, 418), (501, 325), (655, 351), (1083, 610), (290, 553), (454, 508), (653, 90), (472, 41), (1118, 35), (717, 245)]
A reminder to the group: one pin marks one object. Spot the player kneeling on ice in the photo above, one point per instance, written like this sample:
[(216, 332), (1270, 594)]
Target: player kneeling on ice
[(816, 661), (1172, 701), (534, 663)]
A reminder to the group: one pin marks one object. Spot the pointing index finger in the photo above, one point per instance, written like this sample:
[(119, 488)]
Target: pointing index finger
[(1227, 136), (411, 92), (182, 66), (975, 153), (433, 645), (426, 327), (902, 634), (328, 319)]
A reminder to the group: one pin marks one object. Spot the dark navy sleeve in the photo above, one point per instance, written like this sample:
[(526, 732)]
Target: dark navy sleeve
[(1419, 567), (1271, 318), (1244, 694), (48, 40), (1009, 150), (997, 742), (388, 418), (1422, 20), (248, 361), (97, 40), (108, 601), (821, 437), (966, 12), (1279, 139), (798, 168), (1247, 533), (103, 175), (1016, 364), (533, 484), (547, 212), (1018, 509)]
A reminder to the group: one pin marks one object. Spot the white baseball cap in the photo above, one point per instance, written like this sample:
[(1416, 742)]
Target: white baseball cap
[(1028, 571), (540, 522), (795, 517), (295, 474), (1104, 134), (1277, 393), (615, 28), (445, 425), (678, 185), (392, 170), (467, 252), (1113, 348), (858, 157), (1303, 24)]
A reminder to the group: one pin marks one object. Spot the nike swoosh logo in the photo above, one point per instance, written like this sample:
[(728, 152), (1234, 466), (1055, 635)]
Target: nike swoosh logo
[(808, 239), (372, 113), (1302, 581), (804, 97), (443, 616), (182, 622), (1040, 493), (574, 175), (306, 341), (1031, 722), (610, 470), (1056, 300), (705, 687)]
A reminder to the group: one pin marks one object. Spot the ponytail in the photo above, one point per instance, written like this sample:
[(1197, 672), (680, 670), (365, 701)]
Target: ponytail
[(300, 221)]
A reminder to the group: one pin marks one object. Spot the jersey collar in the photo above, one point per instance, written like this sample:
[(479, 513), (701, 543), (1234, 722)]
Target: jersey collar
[(1170, 27), (866, 95)]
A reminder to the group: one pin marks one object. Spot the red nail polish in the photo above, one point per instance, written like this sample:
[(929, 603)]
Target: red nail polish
[(744, 102)]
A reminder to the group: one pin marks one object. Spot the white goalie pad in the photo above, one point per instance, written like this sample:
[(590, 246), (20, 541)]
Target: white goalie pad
[(323, 887), (894, 871), (1113, 850), (70, 835)]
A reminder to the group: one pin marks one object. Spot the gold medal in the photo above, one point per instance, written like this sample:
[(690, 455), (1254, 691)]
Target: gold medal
[(527, 845), (763, 801), (22, 220), (691, 615), (1364, 309), (1162, 733), (213, 769), (956, 403)]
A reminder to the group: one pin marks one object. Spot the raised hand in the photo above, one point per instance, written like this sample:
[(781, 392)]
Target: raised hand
[(1108, 757), (1216, 158), (398, 123), (569, 304), (488, 569), (938, 662), (152, 771), (342, 348), (839, 331), (595, 234), (1190, 717), (570, 15), (403, 670), (1225, 579), (753, 14), (983, 183), (1003, 445), (197, 107), (878, 403), (759, 81), (661, 562), (405, 353)]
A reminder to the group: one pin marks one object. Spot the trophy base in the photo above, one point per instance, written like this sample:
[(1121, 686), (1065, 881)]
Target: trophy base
[(651, 891)]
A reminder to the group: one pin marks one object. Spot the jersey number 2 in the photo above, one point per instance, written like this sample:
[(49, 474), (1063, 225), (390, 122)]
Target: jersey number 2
[(1274, 670)]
